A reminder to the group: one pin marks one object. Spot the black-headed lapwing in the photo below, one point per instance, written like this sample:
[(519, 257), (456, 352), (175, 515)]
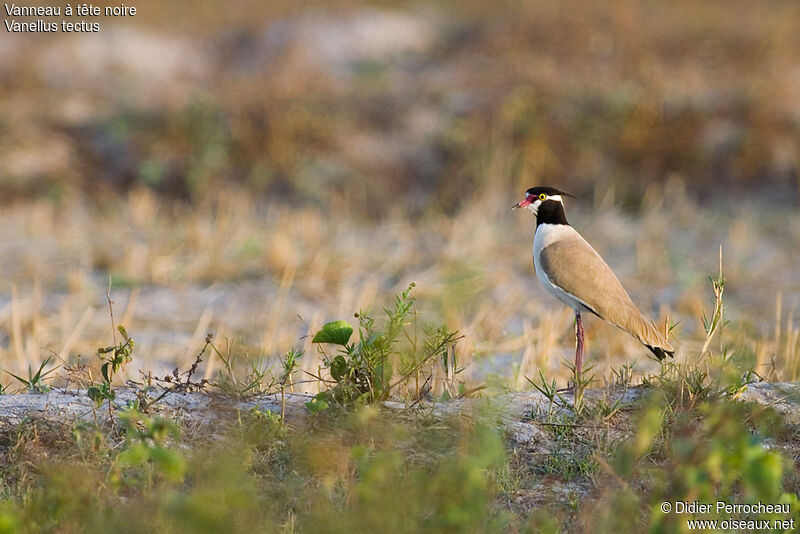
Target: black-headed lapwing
[(574, 273)]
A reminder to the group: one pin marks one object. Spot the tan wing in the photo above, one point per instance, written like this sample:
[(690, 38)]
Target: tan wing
[(574, 266)]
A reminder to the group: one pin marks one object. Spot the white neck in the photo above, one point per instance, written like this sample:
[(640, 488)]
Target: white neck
[(547, 234)]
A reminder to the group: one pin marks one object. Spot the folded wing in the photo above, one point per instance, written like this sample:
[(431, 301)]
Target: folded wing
[(575, 267)]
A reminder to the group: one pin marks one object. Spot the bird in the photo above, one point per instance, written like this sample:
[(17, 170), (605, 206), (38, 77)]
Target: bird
[(572, 271)]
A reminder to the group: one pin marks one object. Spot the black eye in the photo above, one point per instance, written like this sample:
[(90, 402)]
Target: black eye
[(542, 196)]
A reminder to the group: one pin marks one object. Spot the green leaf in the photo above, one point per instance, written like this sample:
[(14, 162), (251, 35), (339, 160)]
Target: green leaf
[(26, 382), (338, 368), (123, 332), (316, 405), (335, 332), (96, 395)]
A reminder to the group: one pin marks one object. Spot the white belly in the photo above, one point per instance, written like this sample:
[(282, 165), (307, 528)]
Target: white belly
[(544, 236)]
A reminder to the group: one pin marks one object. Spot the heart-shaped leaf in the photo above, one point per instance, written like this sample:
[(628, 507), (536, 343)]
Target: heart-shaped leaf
[(316, 405), (338, 367), (335, 332)]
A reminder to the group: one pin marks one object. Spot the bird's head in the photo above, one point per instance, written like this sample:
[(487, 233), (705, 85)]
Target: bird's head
[(536, 196)]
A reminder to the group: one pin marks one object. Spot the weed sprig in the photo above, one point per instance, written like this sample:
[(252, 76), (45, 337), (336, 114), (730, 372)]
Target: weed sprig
[(382, 360)]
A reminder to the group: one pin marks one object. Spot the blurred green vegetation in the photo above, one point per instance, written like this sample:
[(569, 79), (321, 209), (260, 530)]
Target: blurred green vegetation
[(357, 466), (369, 469)]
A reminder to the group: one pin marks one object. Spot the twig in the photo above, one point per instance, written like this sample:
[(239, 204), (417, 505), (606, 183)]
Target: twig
[(319, 377), (471, 391), (715, 320), (569, 425), (111, 311)]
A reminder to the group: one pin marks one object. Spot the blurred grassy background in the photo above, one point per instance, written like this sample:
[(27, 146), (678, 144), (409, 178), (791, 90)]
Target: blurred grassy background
[(259, 168)]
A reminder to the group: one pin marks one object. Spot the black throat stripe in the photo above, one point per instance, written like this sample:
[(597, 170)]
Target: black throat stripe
[(551, 212)]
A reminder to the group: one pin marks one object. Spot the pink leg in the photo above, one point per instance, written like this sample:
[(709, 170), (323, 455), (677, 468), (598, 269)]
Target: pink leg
[(579, 335), (579, 347)]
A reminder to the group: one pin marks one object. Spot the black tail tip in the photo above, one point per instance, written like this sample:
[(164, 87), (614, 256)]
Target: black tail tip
[(661, 353)]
